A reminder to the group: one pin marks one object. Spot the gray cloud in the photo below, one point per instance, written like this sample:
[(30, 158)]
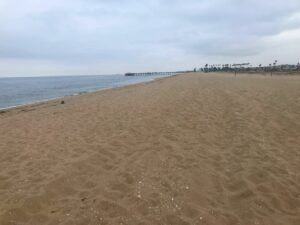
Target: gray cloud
[(128, 33)]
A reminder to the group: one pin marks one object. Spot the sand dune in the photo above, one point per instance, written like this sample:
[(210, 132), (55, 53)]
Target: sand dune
[(190, 149)]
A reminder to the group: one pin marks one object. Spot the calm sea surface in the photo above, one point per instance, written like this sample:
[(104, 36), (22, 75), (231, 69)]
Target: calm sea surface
[(19, 91)]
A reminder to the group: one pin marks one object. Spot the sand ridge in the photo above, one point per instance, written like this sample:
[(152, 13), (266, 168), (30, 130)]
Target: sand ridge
[(190, 149)]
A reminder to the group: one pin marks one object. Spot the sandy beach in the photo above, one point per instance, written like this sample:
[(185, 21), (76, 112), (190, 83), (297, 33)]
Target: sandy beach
[(191, 149)]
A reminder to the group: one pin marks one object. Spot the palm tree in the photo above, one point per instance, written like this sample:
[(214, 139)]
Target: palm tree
[(206, 68), (270, 67), (259, 66), (274, 65)]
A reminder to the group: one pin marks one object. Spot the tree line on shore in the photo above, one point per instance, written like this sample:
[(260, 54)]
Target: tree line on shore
[(247, 67)]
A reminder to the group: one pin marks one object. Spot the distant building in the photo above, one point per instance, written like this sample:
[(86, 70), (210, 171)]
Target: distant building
[(287, 67)]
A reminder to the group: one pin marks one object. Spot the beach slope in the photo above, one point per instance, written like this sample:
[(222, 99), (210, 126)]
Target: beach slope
[(190, 149)]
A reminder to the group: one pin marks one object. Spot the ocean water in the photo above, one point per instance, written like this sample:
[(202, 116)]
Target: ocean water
[(20, 91)]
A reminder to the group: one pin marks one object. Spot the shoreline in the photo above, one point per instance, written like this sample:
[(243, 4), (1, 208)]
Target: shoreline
[(109, 88), (35, 103)]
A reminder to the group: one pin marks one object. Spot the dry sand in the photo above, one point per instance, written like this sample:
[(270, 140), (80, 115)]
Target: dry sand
[(190, 149)]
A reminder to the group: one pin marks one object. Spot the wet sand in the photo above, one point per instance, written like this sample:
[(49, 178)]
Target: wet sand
[(191, 149)]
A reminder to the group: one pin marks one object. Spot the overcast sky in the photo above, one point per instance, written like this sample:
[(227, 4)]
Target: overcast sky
[(70, 37)]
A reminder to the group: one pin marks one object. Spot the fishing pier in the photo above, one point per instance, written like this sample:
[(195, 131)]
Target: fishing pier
[(155, 73)]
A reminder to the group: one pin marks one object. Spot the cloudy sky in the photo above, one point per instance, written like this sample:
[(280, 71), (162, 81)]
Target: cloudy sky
[(70, 37)]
